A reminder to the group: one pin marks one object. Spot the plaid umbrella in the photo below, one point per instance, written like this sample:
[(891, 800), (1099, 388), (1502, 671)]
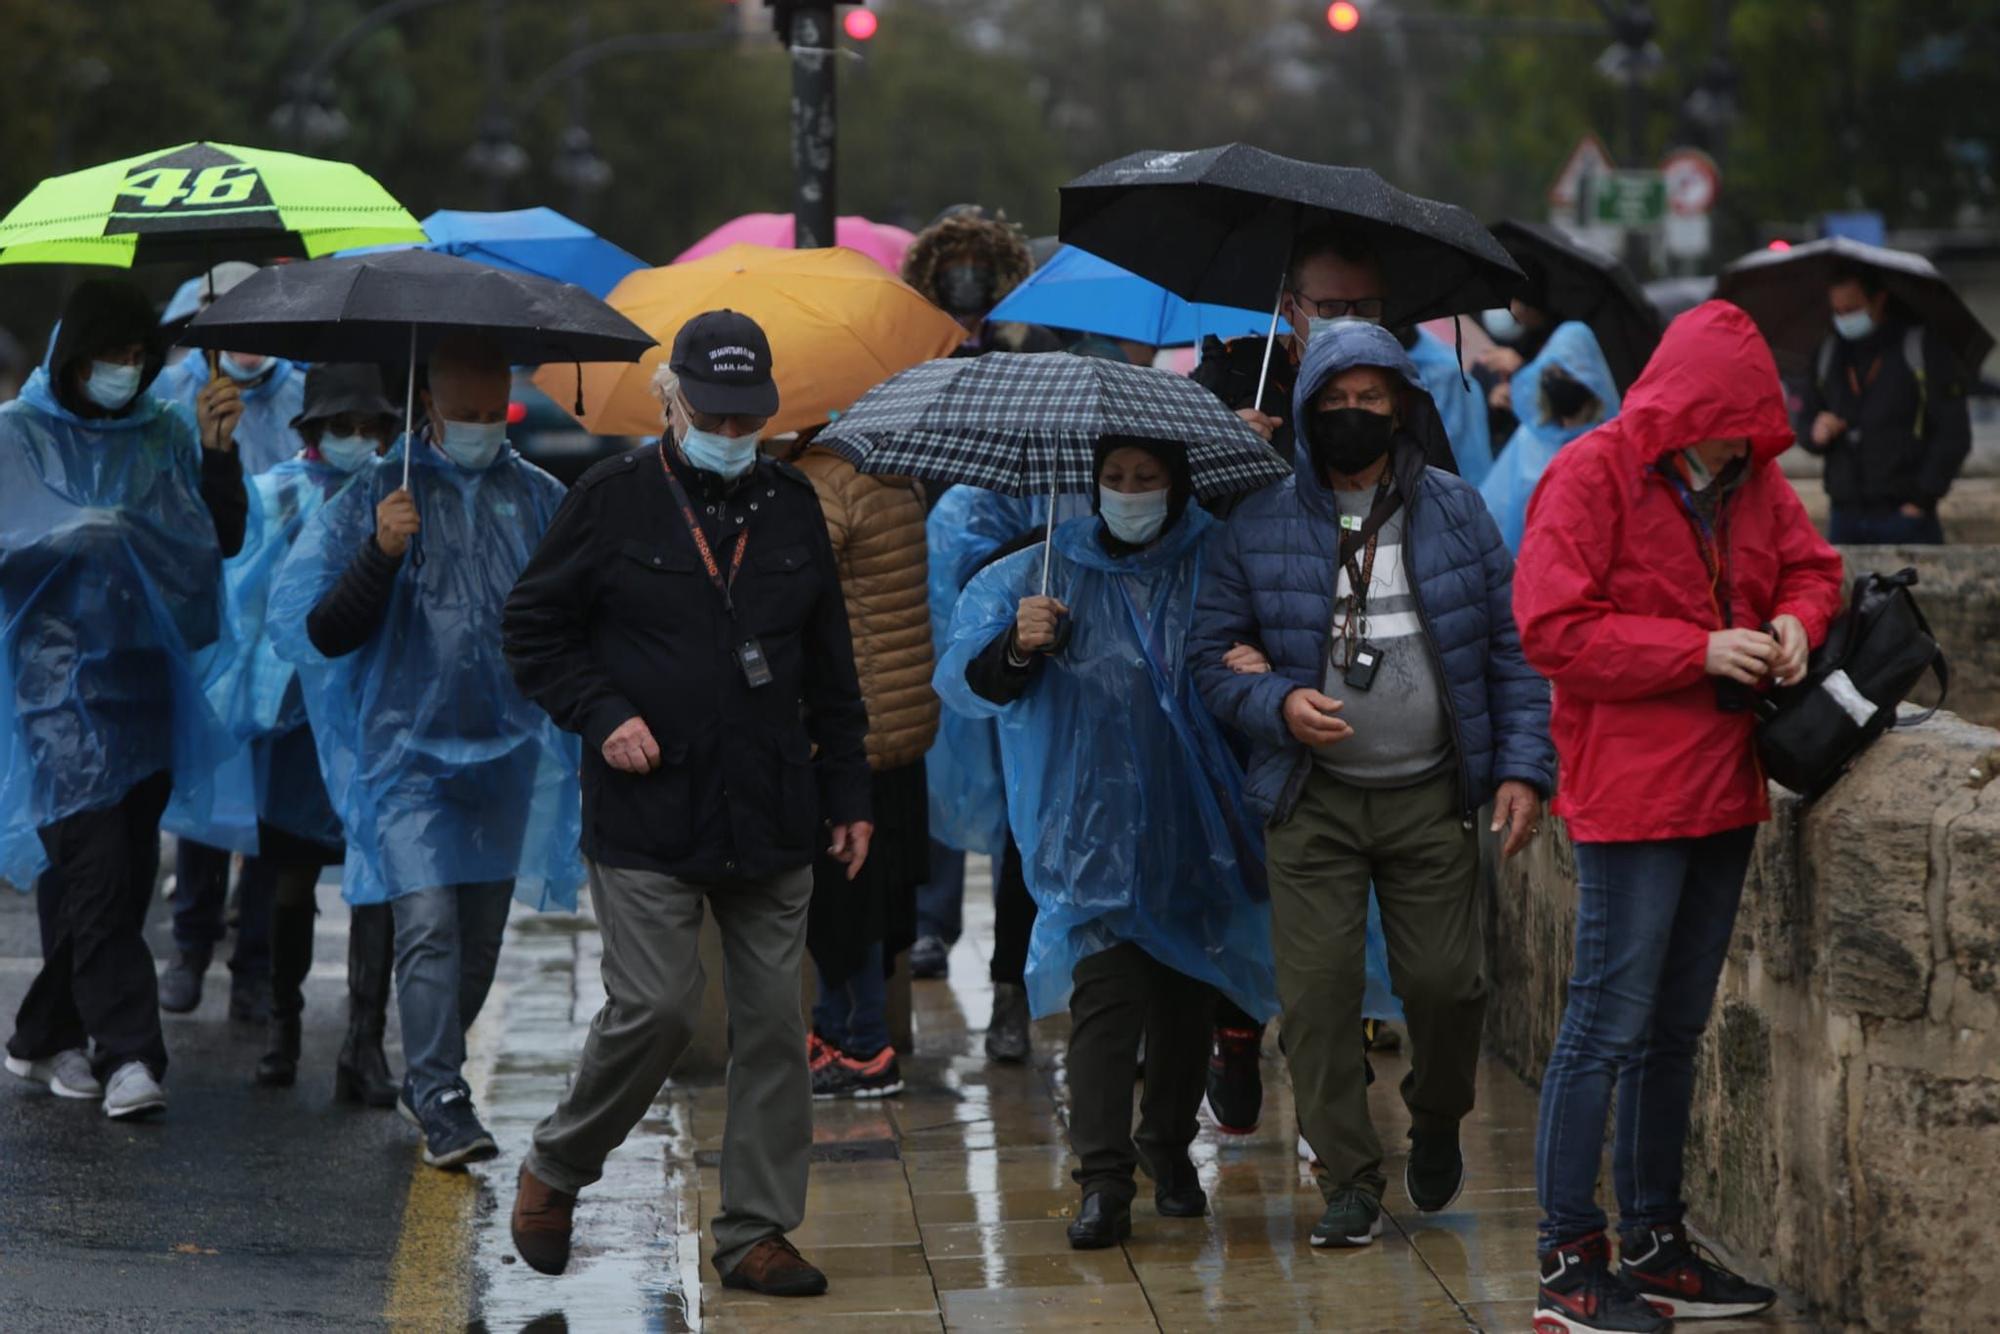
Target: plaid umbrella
[(1029, 423)]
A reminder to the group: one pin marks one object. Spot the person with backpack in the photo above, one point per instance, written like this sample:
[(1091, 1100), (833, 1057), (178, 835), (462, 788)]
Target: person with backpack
[(1885, 405), (1667, 575)]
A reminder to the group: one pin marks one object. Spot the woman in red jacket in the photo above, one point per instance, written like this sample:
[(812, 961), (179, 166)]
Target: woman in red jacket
[(1668, 573)]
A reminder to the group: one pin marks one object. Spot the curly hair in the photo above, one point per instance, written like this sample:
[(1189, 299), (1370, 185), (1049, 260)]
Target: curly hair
[(993, 240)]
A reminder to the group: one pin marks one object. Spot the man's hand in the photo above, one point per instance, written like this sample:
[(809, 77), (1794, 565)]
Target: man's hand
[(396, 522), (1740, 655), (1789, 667), (1035, 623), (1827, 428), (217, 409), (1913, 511), (1518, 810), (631, 748), (1246, 660), (850, 845), (1309, 715), (1261, 423)]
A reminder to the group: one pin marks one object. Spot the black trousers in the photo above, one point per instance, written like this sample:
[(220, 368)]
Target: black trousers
[(1120, 995), (97, 979), (1013, 919)]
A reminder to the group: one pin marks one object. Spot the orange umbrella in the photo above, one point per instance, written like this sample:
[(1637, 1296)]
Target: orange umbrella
[(839, 324)]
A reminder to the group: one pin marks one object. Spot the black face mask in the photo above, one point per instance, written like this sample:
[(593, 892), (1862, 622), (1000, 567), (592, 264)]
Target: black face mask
[(1567, 397), (967, 289), (1348, 440)]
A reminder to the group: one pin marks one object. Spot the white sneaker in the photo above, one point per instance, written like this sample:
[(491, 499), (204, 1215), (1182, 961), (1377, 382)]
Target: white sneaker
[(67, 1074), (133, 1092)]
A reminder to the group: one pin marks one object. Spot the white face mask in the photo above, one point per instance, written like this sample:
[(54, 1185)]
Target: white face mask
[(473, 445), (1500, 322), (346, 452), (1854, 324), (1319, 324), (243, 369), (111, 386), (1134, 518)]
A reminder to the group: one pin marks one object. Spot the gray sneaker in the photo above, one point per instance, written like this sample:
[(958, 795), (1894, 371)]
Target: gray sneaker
[(67, 1074), (133, 1092)]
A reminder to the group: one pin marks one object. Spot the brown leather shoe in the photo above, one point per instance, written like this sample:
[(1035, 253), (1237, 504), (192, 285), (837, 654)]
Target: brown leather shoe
[(775, 1268), (542, 1220)]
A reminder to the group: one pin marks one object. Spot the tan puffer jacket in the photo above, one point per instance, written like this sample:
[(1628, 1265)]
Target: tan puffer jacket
[(877, 526)]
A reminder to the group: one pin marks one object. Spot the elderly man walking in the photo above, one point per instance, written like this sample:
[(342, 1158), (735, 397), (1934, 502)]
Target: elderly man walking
[(684, 614), (1355, 623)]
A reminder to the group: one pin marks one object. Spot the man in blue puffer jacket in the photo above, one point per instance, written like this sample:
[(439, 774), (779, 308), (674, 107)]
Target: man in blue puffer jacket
[(1379, 725)]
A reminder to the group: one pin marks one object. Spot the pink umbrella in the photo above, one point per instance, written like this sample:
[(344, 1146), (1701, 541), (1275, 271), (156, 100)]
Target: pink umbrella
[(879, 241)]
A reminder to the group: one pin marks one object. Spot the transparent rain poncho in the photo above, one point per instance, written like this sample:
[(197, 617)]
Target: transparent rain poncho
[(1519, 468), (264, 434), (1121, 789), (441, 771), (110, 577), (274, 773)]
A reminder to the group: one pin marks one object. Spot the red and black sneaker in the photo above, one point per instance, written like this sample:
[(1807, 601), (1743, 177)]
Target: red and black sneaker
[(1684, 1279), (1581, 1295), (1235, 1080)]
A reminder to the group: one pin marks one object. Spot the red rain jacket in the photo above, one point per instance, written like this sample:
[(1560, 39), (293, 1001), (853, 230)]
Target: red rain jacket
[(1615, 600)]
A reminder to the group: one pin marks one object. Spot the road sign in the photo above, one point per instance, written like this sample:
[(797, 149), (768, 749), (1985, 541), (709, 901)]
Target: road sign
[(1630, 199), (1693, 181), (1587, 160)]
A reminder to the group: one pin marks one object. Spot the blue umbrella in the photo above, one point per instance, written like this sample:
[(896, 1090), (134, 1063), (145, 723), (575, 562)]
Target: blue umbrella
[(539, 241), (1077, 290)]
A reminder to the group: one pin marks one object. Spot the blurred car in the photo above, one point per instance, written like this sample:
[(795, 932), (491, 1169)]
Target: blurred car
[(550, 438)]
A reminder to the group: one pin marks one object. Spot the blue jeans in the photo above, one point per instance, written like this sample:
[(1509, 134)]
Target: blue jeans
[(1850, 525), (855, 1017), (201, 897), (941, 899), (1653, 922), (447, 948)]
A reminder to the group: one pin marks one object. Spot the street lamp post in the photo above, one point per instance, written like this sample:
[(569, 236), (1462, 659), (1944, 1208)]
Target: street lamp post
[(807, 27)]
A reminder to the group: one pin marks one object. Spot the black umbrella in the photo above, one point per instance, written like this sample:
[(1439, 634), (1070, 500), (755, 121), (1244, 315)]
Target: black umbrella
[(404, 302), (1216, 225), (1785, 292), (1569, 280)]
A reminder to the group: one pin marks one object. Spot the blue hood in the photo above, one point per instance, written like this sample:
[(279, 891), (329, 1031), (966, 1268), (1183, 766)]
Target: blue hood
[(1341, 348), (1574, 348)]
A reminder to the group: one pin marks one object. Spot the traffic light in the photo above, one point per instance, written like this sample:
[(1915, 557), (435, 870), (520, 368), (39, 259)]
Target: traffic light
[(1343, 16), (860, 24)]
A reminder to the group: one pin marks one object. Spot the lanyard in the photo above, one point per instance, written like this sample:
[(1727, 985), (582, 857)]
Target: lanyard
[(722, 586), (1354, 625), (1857, 384), (1709, 538)]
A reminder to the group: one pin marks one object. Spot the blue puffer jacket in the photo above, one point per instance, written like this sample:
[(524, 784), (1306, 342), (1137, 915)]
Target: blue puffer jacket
[(1269, 581)]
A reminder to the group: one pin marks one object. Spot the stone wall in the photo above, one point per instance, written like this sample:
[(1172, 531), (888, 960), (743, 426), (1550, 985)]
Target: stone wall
[(1846, 1138)]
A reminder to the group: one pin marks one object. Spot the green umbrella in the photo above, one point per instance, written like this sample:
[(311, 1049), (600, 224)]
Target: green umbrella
[(201, 203)]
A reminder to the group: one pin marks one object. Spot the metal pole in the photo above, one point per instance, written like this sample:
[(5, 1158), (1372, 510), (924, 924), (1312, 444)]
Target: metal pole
[(813, 124)]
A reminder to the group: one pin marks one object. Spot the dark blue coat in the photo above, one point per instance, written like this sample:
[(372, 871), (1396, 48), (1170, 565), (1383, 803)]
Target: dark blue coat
[(1269, 581)]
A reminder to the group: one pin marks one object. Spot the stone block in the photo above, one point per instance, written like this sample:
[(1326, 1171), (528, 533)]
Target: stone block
[(1970, 512)]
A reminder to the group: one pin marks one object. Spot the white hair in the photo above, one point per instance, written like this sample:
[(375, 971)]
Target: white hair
[(666, 386)]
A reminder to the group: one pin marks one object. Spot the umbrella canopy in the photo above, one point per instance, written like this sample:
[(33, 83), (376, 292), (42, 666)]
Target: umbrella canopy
[(1028, 424), (540, 241), (200, 203), (373, 307), (880, 241), (1217, 225), (838, 324), (1573, 281), (1075, 289), (1785, 292)]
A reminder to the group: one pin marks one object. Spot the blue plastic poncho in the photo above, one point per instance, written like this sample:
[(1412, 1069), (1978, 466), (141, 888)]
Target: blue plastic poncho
[(274, 773), (110, 576), (1121, 790), (1508, 488), (264, 434), (441, 771), (1460, 402)]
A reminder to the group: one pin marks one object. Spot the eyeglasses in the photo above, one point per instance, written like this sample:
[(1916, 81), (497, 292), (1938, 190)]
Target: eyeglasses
[(1334, 308)]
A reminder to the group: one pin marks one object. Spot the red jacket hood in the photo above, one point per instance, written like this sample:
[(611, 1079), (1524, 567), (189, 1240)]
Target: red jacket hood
[(1712, 378)]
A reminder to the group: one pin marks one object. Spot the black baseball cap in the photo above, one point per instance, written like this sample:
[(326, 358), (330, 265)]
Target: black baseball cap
[(723, 361)]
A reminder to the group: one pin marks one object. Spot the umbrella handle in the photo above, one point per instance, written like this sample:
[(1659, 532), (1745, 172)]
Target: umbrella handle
[(410, 438), (1049, 532), (1271, 339)]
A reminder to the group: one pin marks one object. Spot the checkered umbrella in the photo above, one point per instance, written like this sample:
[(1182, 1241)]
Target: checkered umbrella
[(1028, 424)]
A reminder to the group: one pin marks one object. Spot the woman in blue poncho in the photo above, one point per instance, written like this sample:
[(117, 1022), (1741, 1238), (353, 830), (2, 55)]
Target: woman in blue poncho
[(1566, 391), (1126, 803)]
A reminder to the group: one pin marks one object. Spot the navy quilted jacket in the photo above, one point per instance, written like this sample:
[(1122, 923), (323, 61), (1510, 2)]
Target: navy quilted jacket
[(1269, 580)]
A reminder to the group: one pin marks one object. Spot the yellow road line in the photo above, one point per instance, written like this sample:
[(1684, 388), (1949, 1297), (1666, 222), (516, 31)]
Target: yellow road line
[(430, 1279)]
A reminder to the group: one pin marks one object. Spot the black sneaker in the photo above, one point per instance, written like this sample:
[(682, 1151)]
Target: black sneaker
[(852, 1077), (930, 958), (250, 999), (180, 983), (1434, 1175), (1352, 1218), (1236, 1080), (453, 1136), (1581, 1295), (406, 1103), (1684, 1279)]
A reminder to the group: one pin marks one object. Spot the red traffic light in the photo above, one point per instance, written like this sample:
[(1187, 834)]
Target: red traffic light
[(1779, 244), (860, 24), (1343, 16)]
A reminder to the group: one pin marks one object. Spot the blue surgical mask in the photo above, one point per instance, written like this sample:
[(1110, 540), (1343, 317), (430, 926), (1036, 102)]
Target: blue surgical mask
[(111, 386), (1854, 324), (243, 372), (1319, 324), (1134, 518), (346, 452), (1500, 323), (473, 445), (726, 456)]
